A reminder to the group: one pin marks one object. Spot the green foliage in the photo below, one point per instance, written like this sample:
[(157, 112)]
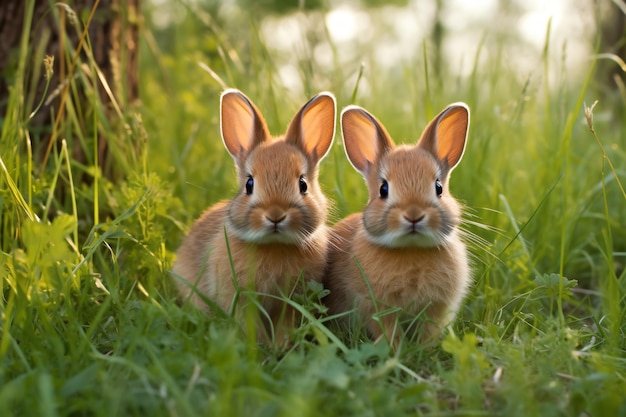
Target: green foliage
[(89, 323)]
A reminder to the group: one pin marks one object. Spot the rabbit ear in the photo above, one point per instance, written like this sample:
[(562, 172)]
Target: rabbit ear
[(241, 123), (313, 127), (446, 134), (364, 138)]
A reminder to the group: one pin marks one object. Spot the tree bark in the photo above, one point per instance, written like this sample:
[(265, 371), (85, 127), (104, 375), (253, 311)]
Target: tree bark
[(113, 35), (612, 40)]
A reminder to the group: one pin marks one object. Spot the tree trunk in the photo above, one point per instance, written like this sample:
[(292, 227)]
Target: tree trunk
[(612, 41), (113, 38)]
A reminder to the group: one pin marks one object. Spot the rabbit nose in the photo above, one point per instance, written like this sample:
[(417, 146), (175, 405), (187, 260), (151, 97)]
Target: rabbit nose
[(276, 219), (275, 215), (414, 219)]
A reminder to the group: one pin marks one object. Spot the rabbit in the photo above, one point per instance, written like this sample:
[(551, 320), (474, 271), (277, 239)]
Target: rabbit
[(403, 252), (274, 230)]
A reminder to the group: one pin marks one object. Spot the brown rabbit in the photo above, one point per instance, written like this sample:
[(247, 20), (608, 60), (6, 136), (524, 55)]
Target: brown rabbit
[(404, 250), (274, 229)]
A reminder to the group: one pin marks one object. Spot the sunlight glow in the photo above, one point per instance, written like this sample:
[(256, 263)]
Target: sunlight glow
[(345, 24)]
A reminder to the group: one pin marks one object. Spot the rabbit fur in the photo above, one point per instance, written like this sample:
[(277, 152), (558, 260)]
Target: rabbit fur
[(403, 251), (274, 230)]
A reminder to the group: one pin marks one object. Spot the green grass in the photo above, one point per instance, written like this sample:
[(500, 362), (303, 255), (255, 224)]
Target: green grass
[(89, 325)]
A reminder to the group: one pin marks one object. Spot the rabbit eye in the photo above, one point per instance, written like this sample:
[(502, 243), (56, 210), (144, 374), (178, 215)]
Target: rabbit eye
[(384, 189), (249, 185), (438, 188), (303, 185)]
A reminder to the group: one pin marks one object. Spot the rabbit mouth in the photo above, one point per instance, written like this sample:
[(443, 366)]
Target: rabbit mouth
[(415, 229), (276, 227), (269, 238), (278, 234), (418, 237), (268, 234), (418, 233)]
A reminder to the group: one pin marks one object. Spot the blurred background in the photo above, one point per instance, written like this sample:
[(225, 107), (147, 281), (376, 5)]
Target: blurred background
[(459, 34), (403, 60)]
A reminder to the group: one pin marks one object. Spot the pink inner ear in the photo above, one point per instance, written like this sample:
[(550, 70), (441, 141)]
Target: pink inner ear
[(449, 150), (451, 133), (360, 139), (242, 125), (365, 138), (313, 127)]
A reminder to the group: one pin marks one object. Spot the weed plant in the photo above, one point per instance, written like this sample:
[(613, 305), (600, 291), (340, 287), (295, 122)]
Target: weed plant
[(89, 323)]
